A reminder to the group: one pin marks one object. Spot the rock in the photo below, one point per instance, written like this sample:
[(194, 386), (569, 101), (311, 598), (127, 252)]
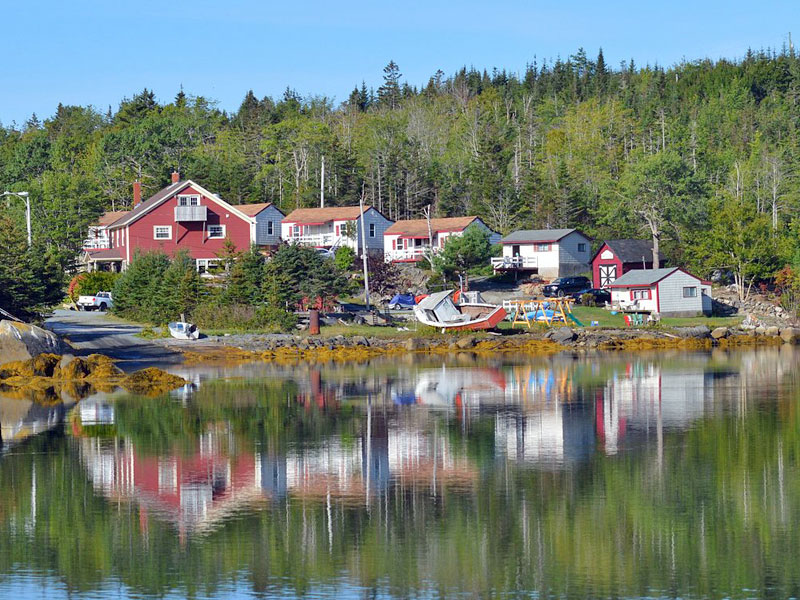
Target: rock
[(562, 335), (760, 330), (719, 333), (413, 344), (790, 335), (772, 331), (152, 381), (697, 332), (21, 341), (72, 367), (466, 342), (360, 340)]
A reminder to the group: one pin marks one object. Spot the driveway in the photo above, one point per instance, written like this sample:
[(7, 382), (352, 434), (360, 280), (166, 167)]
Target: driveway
[(94, 332)]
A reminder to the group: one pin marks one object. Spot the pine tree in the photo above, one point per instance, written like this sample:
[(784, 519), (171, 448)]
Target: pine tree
[(389, 92)]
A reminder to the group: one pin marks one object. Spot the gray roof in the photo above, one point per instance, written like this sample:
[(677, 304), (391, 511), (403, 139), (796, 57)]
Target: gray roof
[(643, 277), (629, 251), (536, 236), (434, 300), (144, 207)]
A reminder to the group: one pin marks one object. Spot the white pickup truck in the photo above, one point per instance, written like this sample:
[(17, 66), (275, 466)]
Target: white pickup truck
[(100, 301)]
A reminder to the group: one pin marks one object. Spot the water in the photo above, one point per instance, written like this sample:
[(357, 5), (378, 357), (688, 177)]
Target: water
[(663, 475)]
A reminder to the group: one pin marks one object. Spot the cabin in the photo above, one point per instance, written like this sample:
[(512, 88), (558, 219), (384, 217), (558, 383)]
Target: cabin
[(185, 216), (410, 240), (669, 292), (550, 253), (616, 257), (329, 228)]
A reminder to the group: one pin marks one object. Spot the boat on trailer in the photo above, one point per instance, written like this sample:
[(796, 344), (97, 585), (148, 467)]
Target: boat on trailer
[(183, 330), (438, 310)]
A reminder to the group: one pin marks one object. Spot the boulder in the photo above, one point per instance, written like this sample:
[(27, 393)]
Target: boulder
[(21, 341), (790, 335), (72, 367), (413, 344), (562, 335), (719, 333), (760, 330), (697, 332), (465, 343), (772, 331), (360, 340)]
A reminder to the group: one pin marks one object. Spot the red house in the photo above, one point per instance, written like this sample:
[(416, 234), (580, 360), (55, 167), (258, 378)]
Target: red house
[(617, 257), (185, 216)]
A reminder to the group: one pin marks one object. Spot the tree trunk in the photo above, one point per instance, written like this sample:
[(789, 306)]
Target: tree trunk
[(656, 262)]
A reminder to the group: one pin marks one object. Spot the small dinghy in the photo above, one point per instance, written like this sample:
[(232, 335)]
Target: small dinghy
[(184, 331), (438, 310)]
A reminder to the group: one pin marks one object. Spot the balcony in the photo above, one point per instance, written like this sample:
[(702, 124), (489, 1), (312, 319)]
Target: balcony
[(320, 240), (191, 213), (514, 263), (409, 254)]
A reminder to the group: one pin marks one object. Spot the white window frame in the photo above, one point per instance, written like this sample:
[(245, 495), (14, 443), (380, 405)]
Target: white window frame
[(541, 247), (642, 294), (693, 293), (270, 228), (189, 200), (157, 227), (295, 231), (216, 237)]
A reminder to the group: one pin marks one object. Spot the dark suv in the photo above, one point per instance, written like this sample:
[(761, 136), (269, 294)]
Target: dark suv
[(563, 286)]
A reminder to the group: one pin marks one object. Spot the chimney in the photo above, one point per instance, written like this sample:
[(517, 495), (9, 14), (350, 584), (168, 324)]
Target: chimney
[(176, 177), (137, 194)]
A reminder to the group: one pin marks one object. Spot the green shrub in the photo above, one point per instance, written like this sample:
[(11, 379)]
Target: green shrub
[(242, 317), (344, 257), (98, 281), (588, 300)]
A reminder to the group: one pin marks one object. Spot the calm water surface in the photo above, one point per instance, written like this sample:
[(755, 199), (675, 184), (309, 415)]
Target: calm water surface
[(623, 475)]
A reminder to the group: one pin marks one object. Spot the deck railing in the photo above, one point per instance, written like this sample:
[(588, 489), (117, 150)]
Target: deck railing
[(500, 263)]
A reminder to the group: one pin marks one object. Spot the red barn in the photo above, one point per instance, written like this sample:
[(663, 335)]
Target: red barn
[(185, 216), (617, 257)]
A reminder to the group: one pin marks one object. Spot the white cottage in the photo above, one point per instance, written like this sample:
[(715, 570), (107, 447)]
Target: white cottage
[(336, 226), (407, 241), (670, 292), (547, 252)]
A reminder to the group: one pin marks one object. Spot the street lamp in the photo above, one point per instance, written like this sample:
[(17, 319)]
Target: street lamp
[(25, 196)]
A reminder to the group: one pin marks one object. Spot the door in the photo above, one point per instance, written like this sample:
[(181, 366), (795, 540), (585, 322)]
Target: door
[(608, 273)]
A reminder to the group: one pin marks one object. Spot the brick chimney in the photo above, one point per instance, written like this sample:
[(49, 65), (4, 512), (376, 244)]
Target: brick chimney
[(137, 193), (176, 177)]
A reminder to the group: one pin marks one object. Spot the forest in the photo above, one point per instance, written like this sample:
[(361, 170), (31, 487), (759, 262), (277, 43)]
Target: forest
[(702, 155)]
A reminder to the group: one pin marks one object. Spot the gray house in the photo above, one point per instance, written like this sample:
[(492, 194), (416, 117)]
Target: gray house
[(547, 252)]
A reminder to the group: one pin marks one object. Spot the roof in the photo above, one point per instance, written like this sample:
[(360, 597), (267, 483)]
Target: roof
[(533, 236), (145, 206), (323, 215), (107, 218), (251, 210), (166, 193), (98, 255), (433, 300), (420, 226), (629, 251), (646, 277)]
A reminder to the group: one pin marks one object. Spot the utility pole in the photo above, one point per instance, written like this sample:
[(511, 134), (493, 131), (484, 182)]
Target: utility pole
[(27, 197), (322, 184), (364, 247)]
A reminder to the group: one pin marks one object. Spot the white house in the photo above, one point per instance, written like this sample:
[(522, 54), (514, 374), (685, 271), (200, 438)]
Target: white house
[(409, 240), (97, 237), (670, 292), (547, 252), (336, 226)]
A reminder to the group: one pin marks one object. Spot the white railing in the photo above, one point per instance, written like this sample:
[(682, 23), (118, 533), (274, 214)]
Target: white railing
[(409, 253), (314, 239), (97, 244), (191, 213), (515, 262)]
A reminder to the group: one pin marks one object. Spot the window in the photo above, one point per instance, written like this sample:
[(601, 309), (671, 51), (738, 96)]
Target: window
[(690, 292), (581, 247), (640, 295), (216, 232), (270, 228), (188, 200), (296, 231), (372, 230), (162, 232), (541, 247)]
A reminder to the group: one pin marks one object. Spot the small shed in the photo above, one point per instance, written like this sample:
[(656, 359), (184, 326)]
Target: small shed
[(670, 292), (614, 258)]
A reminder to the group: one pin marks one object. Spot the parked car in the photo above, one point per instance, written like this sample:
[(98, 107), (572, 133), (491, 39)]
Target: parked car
[(100, 301), (564, 286), (600, 295)]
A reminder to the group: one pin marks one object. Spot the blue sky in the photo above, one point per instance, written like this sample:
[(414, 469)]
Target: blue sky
[(97, 52)]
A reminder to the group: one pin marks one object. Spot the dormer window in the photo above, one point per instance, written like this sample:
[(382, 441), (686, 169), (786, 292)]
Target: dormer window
[(189, 200)]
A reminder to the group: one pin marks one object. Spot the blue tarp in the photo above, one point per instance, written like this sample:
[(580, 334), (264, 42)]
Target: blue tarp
[(403, 300)]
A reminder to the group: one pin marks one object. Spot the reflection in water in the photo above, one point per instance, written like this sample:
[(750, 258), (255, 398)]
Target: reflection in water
[(605, 475)]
